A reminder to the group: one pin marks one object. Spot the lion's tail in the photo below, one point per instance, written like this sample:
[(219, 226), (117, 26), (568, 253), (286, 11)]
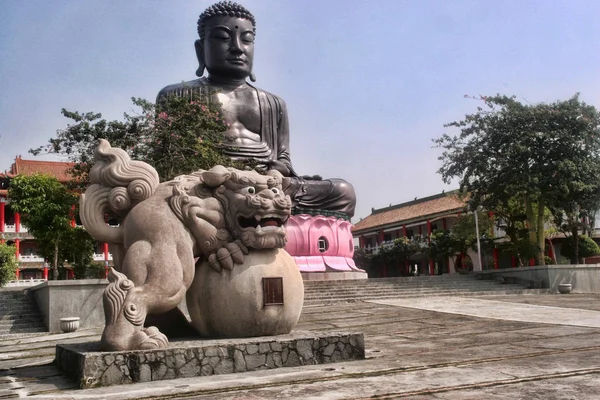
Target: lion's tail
[(117, 185)]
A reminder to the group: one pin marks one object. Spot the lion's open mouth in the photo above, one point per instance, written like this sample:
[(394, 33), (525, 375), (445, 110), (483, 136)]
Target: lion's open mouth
[(261, 221)]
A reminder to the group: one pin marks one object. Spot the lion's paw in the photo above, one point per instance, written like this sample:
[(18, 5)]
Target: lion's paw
[(149, 338), (232, 253)]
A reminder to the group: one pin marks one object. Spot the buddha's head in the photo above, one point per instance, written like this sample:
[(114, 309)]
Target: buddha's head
[(226, 44)]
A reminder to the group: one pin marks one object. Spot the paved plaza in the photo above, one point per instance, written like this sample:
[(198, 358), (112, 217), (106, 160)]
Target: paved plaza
[(501, 347)]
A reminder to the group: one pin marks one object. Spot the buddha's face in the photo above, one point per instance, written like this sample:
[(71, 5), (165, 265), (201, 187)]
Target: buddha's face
[(228, 47)]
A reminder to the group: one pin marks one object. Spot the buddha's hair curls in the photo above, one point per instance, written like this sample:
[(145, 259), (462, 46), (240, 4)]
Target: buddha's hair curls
[(224, 8)]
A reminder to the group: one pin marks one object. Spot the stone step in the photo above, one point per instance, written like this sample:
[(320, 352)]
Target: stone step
[(399, 287), (319, 292), (309, 284), (408, 293), (32, 322), (20, 321), (17, 308), (24, 321), (315, 302), (423, 278), (19, 313), (392, 287), (21, 330)]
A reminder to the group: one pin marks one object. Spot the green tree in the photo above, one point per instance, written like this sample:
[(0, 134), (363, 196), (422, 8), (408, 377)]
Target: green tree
[(543, 155), (46, 208), (177, 136), (8, 263), (363, 260), (79, 251), (404, 248), (464, 234), (442, 245), (587, 248)]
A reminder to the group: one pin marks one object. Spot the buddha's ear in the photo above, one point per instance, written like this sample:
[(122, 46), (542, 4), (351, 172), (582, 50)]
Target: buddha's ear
[(200, 55)]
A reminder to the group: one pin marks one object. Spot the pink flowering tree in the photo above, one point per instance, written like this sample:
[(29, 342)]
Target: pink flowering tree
[(177, 136)]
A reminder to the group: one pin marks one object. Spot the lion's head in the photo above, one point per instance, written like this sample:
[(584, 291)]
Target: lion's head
[(254, 207)]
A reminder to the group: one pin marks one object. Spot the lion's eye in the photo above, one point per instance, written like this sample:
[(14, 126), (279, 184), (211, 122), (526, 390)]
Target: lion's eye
[(250, 190), (276, 191)]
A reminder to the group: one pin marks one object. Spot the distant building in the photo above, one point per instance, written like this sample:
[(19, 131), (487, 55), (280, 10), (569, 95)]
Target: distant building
[(419, 217), (31, 264)]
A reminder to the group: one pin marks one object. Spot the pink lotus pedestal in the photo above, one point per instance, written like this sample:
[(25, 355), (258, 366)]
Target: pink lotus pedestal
[(322, 247)]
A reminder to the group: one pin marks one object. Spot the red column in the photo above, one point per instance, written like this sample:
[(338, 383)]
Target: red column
[(361, 241), (73, 216), (18, 249), (405, 231), (444, 223), (2, 205), (46, 273), (70, 274), (531, 262), (17, 222), (18, 274), (513, 261), (105, 260), (496, 259), (381, 236)]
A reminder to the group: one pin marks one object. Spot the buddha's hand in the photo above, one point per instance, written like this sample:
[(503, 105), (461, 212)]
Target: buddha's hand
[(279, 166), (228, 255)]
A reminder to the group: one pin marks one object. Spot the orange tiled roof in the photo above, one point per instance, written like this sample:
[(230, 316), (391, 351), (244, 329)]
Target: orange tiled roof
[(57, 169), (443, 203)]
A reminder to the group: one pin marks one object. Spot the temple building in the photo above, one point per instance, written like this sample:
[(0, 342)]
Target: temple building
[(32, 264), (419, 218), (414, 219)]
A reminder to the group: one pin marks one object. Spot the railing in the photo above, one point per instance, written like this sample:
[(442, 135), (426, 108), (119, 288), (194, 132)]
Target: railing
[(25, 282), (37, 258), (12, 228), (100, 257), (30, 258)]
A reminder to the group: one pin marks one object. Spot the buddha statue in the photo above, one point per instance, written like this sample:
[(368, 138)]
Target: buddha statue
[(257, 120)]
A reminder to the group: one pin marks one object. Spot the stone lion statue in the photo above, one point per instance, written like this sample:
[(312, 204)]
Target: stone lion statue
[(215, 217)]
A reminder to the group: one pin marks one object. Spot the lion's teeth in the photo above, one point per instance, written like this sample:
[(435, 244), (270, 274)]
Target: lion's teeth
[(258, 217)]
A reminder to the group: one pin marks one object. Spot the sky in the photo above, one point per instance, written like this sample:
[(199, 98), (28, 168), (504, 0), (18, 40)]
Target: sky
[(368, 84)]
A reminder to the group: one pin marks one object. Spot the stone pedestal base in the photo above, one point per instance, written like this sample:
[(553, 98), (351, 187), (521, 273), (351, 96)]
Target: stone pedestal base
[(334, 276), (85, 363)]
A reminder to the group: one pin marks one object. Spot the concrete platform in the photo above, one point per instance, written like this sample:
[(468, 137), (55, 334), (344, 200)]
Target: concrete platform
[(91, 367)]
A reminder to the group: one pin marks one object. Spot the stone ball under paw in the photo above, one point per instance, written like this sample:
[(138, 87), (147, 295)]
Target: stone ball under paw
[(231, 304)]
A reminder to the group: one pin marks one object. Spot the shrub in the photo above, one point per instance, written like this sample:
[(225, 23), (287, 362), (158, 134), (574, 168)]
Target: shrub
[(8, 264), (587, 247)]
